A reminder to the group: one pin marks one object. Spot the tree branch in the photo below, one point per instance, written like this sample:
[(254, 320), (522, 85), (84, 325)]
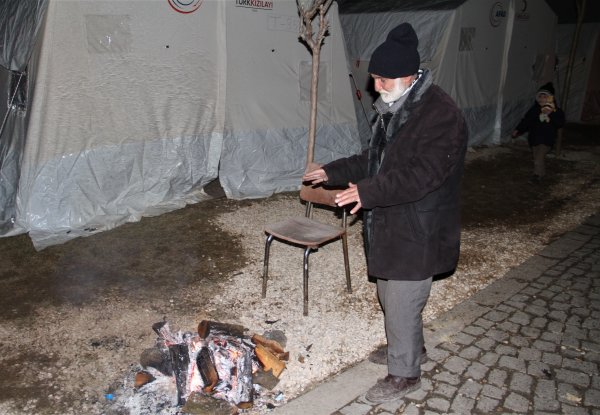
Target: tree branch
[(314, 43), (306, 18)]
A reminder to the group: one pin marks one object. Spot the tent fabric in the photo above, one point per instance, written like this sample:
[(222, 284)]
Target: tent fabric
[(20, 22), (284, 152), (582, 66), (12, 143), (129, 121), (487, 54), (122, 120), (264, 148), (354, 6), (117, 125)]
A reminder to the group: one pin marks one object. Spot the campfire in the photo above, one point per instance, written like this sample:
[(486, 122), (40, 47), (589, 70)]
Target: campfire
[(219, 361)]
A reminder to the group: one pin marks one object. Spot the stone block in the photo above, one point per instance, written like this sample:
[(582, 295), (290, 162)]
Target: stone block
[(516, 402)]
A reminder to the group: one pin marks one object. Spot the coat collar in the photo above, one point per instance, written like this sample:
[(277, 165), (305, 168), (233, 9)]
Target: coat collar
[(401, 109), (423, 77)]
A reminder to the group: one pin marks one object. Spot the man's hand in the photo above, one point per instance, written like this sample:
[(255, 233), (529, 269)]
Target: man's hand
[(314, 174), (350, 195)]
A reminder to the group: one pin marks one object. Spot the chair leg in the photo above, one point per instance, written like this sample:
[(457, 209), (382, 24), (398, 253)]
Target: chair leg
[(346, 262), (306, 254), (266, 265)]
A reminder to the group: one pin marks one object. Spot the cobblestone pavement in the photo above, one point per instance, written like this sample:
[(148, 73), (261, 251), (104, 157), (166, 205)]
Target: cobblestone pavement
[(528, 343)]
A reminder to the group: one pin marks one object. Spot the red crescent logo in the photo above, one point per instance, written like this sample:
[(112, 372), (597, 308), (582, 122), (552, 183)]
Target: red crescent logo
[(185, 6)]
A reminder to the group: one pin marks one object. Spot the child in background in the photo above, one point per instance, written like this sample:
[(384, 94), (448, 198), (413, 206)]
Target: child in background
[(542, 122)]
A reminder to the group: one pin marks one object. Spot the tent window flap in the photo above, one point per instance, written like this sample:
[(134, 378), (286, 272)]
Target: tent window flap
[(17, 93)]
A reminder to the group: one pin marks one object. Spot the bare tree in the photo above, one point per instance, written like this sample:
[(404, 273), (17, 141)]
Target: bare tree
[(308, 10)]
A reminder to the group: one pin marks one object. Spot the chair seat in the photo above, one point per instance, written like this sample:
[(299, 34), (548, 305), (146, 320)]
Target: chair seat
[(304, 231), (308, 233)]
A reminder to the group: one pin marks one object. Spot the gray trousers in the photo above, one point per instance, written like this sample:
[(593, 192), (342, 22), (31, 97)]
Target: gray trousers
[(539, 159), (403, 303)]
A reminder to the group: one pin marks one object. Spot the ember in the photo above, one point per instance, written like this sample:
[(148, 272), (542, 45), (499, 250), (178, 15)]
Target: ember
[(218, 361)]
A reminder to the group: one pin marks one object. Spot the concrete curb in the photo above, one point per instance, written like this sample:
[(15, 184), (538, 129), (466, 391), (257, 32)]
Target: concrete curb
[(335, 393)]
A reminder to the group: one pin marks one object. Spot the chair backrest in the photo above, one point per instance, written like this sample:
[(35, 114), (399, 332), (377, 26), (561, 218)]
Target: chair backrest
[(319, 195)]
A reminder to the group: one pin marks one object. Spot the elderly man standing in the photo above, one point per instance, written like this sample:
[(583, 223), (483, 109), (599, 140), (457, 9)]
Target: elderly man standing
[(408, 184)]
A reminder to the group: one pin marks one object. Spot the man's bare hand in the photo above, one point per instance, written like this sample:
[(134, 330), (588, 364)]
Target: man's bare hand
[(314, 174), (350, 195)]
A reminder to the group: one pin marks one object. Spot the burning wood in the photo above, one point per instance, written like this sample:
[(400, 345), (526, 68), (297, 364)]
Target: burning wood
[(142, 378), (180, 358), (272, 346), (206, 327), (157, 357), (269, 360), (266, 379), (233, 361), (217, 361), (208, 371)]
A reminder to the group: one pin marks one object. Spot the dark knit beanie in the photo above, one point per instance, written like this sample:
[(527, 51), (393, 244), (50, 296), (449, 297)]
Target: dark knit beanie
[(398, 56), (546, 89)]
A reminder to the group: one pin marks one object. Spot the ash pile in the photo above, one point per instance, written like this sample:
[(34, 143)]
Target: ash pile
[(217, 370)]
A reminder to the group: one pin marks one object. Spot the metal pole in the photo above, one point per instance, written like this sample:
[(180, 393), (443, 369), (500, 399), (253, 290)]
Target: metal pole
[(10, 104), (565, 92)]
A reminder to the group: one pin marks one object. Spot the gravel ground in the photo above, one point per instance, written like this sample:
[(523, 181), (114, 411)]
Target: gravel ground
[(342, 329), (64, 358)]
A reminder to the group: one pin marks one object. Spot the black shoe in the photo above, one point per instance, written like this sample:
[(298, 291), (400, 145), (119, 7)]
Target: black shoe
[(379, 356), (391, 388)]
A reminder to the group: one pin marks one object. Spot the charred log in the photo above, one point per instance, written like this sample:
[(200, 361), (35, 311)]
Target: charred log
[(200, 404), (158, 359), (277, 335), (208, 371), (180, 359), (266, 379), (245, 388), (233, 359), (206, 327), (164, 331)]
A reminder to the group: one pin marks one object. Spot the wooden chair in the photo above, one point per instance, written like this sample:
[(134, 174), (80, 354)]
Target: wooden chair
[(308, 233)]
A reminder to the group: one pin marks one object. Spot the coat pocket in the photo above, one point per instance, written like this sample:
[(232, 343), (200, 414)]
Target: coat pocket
[(425, 222), (399, 224)]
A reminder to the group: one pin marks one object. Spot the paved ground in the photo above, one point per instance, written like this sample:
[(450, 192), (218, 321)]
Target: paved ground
[(529, 343)]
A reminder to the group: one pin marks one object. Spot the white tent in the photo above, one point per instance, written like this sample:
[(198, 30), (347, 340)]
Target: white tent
[(128, 108), (489, 55)]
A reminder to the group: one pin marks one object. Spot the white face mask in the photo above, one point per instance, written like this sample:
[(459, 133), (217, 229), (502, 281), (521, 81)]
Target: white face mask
[(395, 94)]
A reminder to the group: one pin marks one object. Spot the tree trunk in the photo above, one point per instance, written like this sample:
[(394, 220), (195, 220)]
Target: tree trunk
[(314, 90)]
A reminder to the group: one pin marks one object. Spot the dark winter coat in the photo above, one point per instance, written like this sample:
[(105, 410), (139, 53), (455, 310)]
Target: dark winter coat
[(541, 132), (409, 183)]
